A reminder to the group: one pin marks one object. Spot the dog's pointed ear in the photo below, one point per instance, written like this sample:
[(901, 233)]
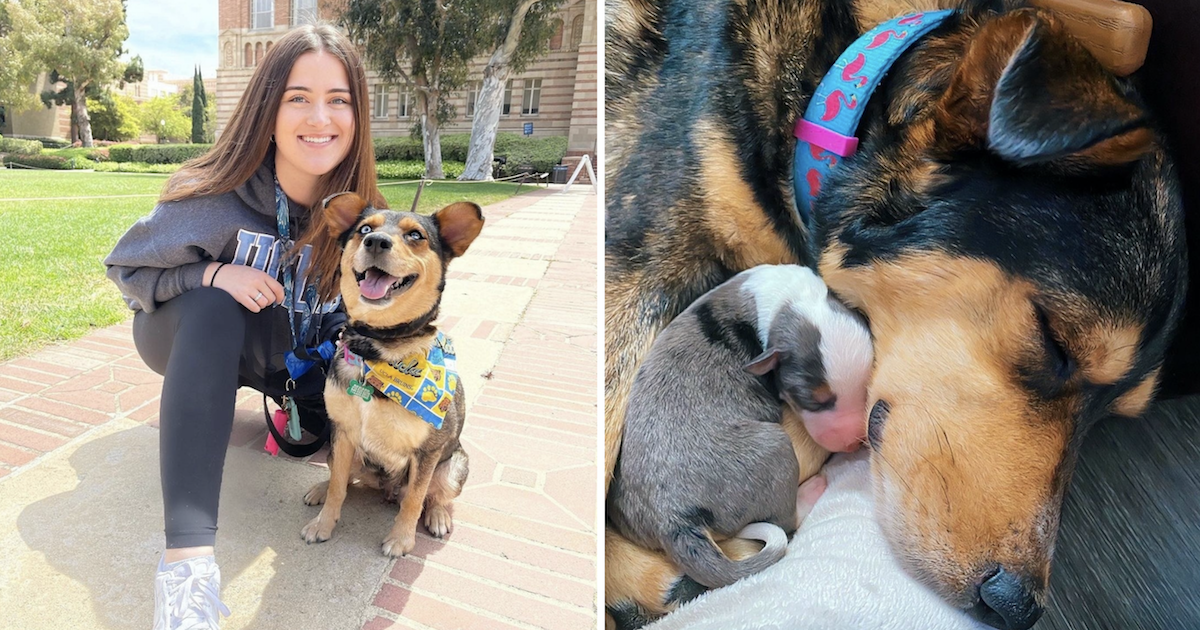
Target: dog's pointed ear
[(459, 223), (341, 211), (764, 363), (1030, 93)]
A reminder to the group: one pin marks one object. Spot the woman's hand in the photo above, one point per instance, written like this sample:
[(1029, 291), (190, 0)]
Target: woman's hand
[(250, 287)]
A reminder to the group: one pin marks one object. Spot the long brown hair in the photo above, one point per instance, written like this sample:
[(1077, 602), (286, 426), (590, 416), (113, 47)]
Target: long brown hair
[(246, 143)]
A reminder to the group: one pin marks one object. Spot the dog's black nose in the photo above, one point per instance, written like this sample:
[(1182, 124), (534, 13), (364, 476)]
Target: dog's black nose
[(377, 243), (1006, 602)]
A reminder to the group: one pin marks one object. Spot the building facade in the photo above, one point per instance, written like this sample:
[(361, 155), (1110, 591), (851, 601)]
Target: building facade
[(557, 94), (55, 121)]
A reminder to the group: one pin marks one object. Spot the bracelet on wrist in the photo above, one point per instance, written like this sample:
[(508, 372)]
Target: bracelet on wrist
[(213, 279)]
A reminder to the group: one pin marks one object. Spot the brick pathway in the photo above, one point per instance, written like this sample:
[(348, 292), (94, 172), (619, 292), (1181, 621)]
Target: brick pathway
[(521, 306)]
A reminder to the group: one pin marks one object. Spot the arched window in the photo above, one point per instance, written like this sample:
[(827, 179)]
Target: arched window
[(228, 56), (269, 46), (258, 53), (556, 38), (249, 61), (576, 32)]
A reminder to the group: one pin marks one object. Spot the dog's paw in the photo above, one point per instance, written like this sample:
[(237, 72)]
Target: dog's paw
[(396, 546), (438, 521), (316, 494), (317, 530)]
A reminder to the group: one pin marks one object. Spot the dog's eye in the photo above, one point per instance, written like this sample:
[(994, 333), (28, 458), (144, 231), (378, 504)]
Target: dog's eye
[(366, 229), (414, 236), (1061, 363)]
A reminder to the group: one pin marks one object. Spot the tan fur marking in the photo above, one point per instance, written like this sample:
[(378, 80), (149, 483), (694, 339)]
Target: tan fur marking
[(634, 574), (953, 497), (1121, 149), (809, 455), (1106, 352), (872, 14), (1133, 403), (738, 224), (408, 224)]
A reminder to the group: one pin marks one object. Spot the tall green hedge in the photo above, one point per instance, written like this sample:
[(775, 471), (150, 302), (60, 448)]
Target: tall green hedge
[(414, 169), (540, 154), (20, 147), (156, 153), (52, 162), (521, 153), (53, 143)]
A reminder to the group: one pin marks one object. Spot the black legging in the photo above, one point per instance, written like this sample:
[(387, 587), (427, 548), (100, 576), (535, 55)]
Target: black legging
[(205, 345)]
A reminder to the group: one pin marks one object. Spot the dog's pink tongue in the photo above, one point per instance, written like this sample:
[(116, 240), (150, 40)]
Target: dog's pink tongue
[(375, 285)]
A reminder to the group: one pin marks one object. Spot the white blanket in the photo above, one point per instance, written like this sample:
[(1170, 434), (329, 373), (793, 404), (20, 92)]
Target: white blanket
[(838, 574)]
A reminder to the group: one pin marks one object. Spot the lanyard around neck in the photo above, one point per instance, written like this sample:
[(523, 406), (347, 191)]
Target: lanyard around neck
[(310, 289)]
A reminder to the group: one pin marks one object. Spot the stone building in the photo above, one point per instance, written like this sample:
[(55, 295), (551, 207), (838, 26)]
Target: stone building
[(557, 93)]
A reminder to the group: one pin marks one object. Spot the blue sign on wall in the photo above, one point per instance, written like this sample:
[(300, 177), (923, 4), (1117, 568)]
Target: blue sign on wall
[(529, 129)]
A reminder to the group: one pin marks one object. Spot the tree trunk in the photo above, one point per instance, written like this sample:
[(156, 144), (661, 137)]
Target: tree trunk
[(491, 97), (483, 128), (74, 133), (431, 133), (81, 115)]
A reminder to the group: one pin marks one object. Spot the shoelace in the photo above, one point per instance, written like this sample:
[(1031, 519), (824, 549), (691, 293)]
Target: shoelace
[(199, 590)]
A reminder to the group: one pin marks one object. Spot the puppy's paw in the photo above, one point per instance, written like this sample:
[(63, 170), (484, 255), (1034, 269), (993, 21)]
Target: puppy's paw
[(318, 530), (316, 494), (807, 495), (399, 545), (438, 521)]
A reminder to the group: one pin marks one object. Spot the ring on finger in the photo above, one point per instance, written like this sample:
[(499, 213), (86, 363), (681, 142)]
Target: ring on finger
[(259, 296)]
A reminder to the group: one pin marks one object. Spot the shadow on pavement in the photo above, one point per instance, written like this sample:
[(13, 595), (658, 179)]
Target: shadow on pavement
[(106, 535)]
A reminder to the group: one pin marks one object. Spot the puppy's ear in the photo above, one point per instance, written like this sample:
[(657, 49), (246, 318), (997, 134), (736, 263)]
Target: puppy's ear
[(764, 363), (341, 211), (1030, 93), (458, 224)]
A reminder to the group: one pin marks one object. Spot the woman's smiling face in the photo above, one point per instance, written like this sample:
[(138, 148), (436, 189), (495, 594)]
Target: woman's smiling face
[(315, 124)]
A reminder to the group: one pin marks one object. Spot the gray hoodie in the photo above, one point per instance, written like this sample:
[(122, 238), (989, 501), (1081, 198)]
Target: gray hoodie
[(164, 254)]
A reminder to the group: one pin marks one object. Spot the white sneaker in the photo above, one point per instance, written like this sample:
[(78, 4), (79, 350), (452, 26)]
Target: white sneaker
[(186, 595)]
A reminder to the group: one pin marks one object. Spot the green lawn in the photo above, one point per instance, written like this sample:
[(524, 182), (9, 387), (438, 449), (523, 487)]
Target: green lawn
[(52, 282)]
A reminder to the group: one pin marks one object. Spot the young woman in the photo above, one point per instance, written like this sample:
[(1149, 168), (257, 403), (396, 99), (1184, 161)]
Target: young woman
[(222, 294)]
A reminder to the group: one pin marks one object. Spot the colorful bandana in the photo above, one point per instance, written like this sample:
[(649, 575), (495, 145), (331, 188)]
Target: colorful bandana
[(826, 132), (422, 384)]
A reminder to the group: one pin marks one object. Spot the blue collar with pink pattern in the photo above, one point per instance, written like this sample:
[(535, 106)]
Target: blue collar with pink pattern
[(825, 134)]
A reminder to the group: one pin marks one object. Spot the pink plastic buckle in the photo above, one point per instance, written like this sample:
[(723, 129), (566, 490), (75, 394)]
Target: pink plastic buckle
[(280, 421), (827, 139)]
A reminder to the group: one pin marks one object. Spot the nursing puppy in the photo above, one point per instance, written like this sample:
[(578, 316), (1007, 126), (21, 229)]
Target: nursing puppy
[(708, 449), (393, 272)]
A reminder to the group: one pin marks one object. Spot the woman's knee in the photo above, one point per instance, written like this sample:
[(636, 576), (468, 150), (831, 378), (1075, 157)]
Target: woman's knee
[(205, 313), (210, 304)]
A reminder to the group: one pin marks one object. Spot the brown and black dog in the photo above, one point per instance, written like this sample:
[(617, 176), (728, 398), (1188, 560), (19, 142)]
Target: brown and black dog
[(1010, 226), (392, 275)]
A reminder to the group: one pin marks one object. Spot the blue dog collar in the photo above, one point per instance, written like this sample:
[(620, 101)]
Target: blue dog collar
[(825, 134)]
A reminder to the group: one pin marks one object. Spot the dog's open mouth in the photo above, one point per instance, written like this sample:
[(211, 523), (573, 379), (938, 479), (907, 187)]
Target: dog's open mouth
[(376, 284)]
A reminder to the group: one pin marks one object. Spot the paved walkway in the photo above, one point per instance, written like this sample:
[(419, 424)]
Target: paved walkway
[(80, 506)]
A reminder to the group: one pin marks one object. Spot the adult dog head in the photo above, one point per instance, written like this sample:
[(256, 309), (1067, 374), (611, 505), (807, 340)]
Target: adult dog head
[(1012, 230)]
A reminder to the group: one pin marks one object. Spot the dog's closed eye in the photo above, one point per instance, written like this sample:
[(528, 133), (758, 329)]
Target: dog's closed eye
[(1053, 366), (1061, 363)]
